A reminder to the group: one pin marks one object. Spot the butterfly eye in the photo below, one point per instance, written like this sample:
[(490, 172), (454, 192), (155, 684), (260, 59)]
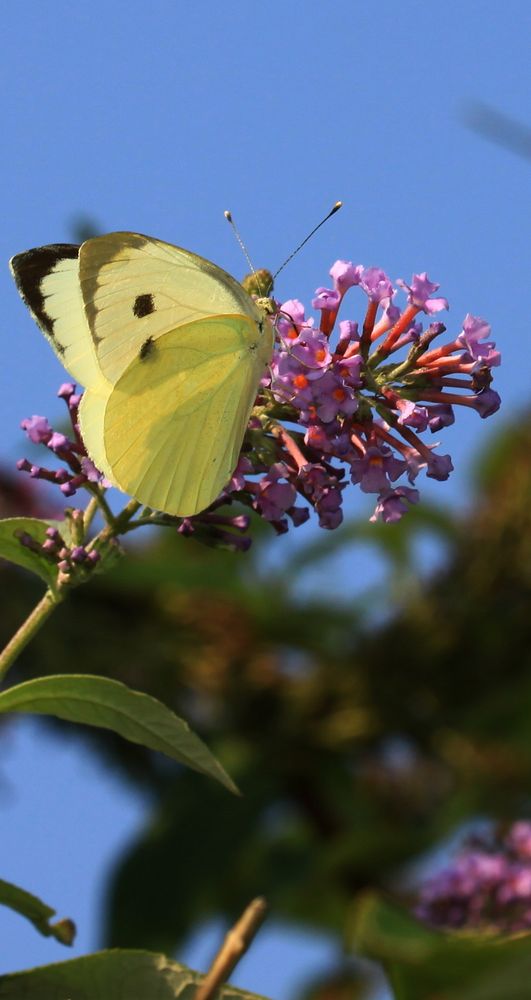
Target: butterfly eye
[(143, 305)]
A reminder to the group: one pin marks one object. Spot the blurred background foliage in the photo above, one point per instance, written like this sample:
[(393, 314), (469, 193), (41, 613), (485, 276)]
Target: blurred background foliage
[(361, 733)]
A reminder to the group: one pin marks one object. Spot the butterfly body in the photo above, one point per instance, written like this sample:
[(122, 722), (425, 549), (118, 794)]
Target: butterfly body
[(170, 350)]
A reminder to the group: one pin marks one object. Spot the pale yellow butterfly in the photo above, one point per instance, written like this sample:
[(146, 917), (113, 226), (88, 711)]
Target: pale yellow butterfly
[(170, 350)]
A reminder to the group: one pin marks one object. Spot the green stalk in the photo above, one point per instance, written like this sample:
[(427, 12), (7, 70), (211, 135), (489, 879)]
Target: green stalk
[(27, 630)]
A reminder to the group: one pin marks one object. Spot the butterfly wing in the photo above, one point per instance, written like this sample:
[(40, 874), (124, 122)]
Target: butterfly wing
[(136, 289), (47, 279), (174, 423), (170, 349)]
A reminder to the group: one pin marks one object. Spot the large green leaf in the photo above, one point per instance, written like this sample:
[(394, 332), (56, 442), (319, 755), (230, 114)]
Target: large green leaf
[(12, 549), (98, 701), (432, 965), (111, 975), (37, 912)]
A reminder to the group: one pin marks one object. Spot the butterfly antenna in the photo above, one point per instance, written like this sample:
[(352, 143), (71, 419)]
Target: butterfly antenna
[(332, 211), (228, 216)]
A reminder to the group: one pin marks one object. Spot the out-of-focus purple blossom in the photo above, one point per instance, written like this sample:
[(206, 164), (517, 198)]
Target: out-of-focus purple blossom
[(487, 887), (518, 838)]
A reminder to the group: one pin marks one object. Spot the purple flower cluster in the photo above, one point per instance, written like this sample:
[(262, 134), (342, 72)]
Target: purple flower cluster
[(78, 469), (362, 409), (488, 887), (339, 405), (67, 559), (343, 402)]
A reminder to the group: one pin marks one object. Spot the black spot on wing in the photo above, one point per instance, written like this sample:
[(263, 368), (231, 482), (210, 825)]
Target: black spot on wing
[(31, 268), (147, 349), (143, 305)]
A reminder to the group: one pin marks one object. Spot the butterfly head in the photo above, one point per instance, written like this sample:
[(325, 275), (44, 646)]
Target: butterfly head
[(259, 285)]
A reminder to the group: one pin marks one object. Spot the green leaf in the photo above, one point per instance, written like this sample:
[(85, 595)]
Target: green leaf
[(12, 549), (37, 912), (111, 975), (423, 964), (98, 701)]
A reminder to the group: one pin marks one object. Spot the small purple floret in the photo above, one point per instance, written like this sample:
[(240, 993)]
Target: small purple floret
[(376, 284), (345, 274), (37, 429), (419, 293), (327, 300), (392, 505)]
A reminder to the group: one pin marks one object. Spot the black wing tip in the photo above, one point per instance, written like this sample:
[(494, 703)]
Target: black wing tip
[(41, 260), (29, 269)]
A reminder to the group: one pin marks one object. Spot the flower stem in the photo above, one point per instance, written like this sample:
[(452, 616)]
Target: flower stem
[(235, 945), (27, 630), (90, 512), (104, 507)]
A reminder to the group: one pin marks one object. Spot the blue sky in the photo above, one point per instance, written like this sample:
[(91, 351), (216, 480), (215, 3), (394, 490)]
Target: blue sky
[(156, 118)]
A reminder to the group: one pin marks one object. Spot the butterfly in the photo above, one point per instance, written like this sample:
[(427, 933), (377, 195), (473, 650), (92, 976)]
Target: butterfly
[(170, 349)]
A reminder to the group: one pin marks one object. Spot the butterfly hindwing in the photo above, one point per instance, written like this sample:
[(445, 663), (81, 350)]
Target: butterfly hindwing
[(174, 422), (48, 281)]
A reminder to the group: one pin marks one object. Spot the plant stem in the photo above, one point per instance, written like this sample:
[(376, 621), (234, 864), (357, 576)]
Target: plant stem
[(105, 509), (90, 512), (27, 630), (234, 946), (125, 516)]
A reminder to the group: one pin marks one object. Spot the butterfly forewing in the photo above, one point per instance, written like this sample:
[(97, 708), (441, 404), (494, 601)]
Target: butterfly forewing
[(136, 288), (47, 279)]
